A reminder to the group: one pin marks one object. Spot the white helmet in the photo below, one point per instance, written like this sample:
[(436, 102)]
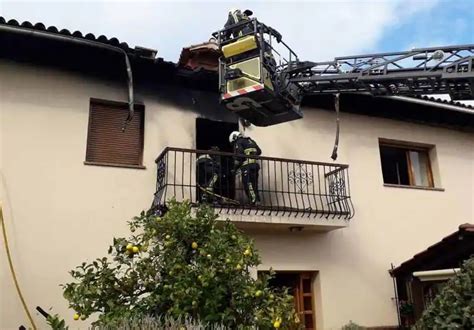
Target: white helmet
[(234, 136)]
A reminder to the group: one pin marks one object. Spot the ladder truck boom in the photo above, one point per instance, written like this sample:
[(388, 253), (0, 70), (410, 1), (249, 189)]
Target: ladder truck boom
[(262, 80), (440, 70)]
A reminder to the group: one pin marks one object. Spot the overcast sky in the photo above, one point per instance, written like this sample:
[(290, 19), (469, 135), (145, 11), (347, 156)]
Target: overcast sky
[(316, 30)]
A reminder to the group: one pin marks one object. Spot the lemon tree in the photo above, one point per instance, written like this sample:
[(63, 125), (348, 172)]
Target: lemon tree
[(182, 265)]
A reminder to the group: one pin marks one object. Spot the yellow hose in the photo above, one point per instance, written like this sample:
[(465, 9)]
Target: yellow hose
[(10, 262)]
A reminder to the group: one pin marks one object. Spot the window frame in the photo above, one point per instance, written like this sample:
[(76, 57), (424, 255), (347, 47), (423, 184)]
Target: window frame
[(137, 106), (407, 147)]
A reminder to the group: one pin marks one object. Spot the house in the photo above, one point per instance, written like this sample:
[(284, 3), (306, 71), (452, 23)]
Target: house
[(421, 278), (72, 174)]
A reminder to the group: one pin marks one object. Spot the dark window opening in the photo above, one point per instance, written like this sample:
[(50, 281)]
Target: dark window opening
[(394, 165), (285, 280), (211, 133), (107, 144), (405, 165)]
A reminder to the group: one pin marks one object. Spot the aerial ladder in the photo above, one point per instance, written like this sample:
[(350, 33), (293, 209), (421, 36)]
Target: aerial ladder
[(262, 80)]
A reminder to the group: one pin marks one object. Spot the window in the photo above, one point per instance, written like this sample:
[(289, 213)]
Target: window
[(300, 286), (106, 143), (406, 165)]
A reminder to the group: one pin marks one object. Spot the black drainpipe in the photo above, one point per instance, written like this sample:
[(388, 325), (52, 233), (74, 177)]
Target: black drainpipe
[(85, 42), (395, 291)]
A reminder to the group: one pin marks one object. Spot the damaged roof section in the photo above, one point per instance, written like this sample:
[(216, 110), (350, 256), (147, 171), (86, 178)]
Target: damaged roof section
[(197, 68), (202, 56)]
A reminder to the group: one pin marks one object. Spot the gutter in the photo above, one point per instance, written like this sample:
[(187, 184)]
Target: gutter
[(436, 275), (430, 103), (84, 42)]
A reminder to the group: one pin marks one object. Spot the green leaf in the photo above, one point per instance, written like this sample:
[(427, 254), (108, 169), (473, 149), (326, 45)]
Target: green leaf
[(171, 278)]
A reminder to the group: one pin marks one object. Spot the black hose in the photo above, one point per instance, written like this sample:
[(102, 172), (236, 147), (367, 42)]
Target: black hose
[(42, 312), (86, 42), (336, 142)]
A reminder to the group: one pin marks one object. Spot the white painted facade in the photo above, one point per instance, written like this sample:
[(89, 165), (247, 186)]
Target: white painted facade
[(60, 212)]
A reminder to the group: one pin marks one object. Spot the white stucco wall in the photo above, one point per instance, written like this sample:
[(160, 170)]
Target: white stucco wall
[(59, 211)]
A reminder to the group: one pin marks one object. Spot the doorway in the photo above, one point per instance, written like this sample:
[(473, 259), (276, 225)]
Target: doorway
[(300, 286), (216, 133)]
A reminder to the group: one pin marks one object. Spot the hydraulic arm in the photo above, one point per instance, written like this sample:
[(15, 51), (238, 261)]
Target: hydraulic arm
[(436, 70), (262, 80)]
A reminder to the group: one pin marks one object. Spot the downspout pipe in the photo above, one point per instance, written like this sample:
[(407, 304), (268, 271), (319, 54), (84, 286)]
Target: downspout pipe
[(84, 42)]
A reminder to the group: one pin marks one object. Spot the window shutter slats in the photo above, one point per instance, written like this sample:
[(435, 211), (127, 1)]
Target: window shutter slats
[(106, 143)]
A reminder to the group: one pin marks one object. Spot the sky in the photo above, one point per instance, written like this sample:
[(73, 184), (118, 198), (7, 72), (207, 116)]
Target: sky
[(317, 30)]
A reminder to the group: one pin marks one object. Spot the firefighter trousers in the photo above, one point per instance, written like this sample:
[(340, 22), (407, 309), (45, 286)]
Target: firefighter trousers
[(249, 174), (207, 179)]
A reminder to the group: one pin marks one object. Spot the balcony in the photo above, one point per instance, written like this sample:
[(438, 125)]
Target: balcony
[(294, 194)]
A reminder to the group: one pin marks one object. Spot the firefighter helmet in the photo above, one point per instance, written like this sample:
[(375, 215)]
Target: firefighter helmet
[(234, 136)]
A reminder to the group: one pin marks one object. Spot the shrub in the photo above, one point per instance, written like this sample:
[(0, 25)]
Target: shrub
[(182, 266), (352, 326), (453, 307)]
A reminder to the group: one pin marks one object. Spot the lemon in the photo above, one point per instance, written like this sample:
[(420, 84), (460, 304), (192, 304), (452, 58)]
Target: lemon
[(83, 317), (76, 317), (135, 249), (194, 245), (227, 261), (258, 293), (247, 252), (276, 324), (167, 236), (238, 267), (129, 247)]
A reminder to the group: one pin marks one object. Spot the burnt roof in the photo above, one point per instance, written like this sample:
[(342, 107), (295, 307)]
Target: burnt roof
[(103, 63), (450, 252), (147, 67)]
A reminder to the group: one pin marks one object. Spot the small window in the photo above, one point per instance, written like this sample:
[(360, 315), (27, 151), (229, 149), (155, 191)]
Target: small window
[(406, 165), (106, 143)]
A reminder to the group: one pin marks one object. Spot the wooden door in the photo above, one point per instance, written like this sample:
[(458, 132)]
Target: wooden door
[(304, 300)]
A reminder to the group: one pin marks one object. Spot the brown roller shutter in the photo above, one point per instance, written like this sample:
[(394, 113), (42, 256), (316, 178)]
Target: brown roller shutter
[(106, 143)]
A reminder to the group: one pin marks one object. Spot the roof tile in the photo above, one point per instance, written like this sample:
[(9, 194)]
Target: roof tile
[(78, 34)]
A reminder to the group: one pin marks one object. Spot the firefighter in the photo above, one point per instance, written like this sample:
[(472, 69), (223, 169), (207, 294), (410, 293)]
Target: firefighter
[(236, 16), (248, 167), (208, 169)]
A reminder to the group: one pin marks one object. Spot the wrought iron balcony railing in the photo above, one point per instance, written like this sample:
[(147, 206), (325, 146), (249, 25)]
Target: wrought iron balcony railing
[(285, 186)]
